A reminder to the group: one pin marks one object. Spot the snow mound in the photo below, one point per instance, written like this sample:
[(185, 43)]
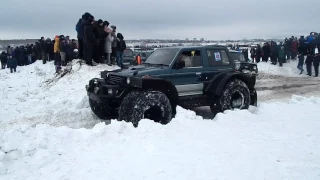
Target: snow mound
[(273, 141), (288, 69), (36, 95)]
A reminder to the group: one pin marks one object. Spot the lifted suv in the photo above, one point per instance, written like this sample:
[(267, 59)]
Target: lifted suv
[(185, 76)]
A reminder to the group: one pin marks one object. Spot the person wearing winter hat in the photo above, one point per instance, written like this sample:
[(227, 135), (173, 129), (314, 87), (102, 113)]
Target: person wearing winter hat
[(57, 60), (121, 46), (89, 41), (80, 32), (108, 44), (12, 63), (114, 43)]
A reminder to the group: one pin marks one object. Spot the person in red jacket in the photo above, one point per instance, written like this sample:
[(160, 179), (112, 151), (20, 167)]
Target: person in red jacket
[(294, 48)]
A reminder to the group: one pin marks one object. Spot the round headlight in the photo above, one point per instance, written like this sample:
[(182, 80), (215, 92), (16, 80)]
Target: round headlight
[(128, 80)]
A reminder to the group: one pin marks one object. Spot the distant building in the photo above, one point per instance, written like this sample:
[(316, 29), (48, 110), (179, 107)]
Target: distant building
[(202, 39), (187, 39), (194, 39)]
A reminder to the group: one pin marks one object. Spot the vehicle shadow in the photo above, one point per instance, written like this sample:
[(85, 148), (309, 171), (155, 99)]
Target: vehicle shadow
[(204, 112)]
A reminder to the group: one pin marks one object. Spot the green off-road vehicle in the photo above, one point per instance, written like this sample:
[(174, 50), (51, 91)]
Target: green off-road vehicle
[(185, 76)]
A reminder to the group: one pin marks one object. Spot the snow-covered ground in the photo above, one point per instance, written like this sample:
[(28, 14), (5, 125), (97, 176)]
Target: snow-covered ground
[(288, 69), (47, 131)]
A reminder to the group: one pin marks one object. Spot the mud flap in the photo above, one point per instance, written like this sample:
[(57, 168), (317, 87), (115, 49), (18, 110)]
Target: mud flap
[(254, 98)]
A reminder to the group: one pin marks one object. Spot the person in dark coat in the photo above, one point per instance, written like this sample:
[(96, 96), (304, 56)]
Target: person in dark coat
[(63, 50), (121, 46), (12, 64), (302, 45), (21, 56), (99, 35), (274, 53), (80, 33), (3, 58), (316, 63), (309, 62), (89, 40), (300, 63), (258, 53), (252, 53)]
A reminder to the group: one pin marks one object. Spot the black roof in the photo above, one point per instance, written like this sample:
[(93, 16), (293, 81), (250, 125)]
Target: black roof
[(191, 47)]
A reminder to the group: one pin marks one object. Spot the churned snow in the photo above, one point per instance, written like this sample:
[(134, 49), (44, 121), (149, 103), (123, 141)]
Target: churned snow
[(48, 132)]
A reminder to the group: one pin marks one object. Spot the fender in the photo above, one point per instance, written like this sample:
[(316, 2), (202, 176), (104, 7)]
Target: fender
[(217, 83), (214, 82), (222, 83)]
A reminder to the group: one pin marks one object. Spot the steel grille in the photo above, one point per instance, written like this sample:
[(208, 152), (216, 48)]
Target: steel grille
[(113, 79)]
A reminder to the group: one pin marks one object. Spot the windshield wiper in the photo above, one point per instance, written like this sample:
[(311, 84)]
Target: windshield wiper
[(162, 64)]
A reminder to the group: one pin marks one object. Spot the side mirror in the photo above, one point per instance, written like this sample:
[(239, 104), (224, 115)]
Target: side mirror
[(180, 64)]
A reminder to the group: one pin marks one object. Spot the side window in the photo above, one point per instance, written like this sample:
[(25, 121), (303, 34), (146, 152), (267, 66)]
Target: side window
[(225, 58), (191, 58), (217, 57)]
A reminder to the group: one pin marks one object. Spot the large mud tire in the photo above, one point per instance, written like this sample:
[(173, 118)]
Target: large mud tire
[(139, 105), (102, 110), (235, 95)]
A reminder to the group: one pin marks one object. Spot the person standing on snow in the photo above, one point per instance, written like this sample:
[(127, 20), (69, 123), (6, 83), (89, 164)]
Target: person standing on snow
[(300, 63), (63, 51), (108, 43), (252, 54), (114, 44), (12, 64), (3, 58), (121, 46), (294, 48), (316, 63), (90, 41), (281, 54), (56, 50), (80, 33), (309, 62)]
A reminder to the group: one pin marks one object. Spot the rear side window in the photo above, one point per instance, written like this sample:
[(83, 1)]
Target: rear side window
[(217, 57)]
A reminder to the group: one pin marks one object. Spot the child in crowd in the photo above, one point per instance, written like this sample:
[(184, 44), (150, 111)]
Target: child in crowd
[(12, 63)]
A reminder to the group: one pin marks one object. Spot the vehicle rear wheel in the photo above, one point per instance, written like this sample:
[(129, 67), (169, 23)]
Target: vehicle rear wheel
[(139, 105), (102, 110), (235, 95)]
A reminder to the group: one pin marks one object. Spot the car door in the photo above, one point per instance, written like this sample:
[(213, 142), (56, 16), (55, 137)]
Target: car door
[(188, 79), (218, 61)]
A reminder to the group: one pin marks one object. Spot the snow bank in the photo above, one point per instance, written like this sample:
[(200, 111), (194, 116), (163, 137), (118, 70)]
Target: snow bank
[(35, 95), (274, 141), (288, 69)]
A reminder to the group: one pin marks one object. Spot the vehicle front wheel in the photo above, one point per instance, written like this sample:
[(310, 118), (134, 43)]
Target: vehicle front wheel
[(102, 110), (235, 95), (139, 105)]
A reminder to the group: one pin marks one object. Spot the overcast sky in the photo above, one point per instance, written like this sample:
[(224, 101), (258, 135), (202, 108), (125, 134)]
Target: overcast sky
[(164, 19)]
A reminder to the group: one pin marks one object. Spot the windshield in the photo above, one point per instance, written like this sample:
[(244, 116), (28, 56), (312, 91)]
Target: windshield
[(162, 56), (237, 56), (128, 53)]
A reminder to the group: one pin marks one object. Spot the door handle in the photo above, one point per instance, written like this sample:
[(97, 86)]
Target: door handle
[(198, 73)]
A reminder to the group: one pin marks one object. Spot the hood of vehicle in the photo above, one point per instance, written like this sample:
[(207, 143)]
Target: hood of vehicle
[(141, 70)]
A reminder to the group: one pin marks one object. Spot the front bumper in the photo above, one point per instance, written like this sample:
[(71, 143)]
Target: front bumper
[(111, 88), (99, 91)]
